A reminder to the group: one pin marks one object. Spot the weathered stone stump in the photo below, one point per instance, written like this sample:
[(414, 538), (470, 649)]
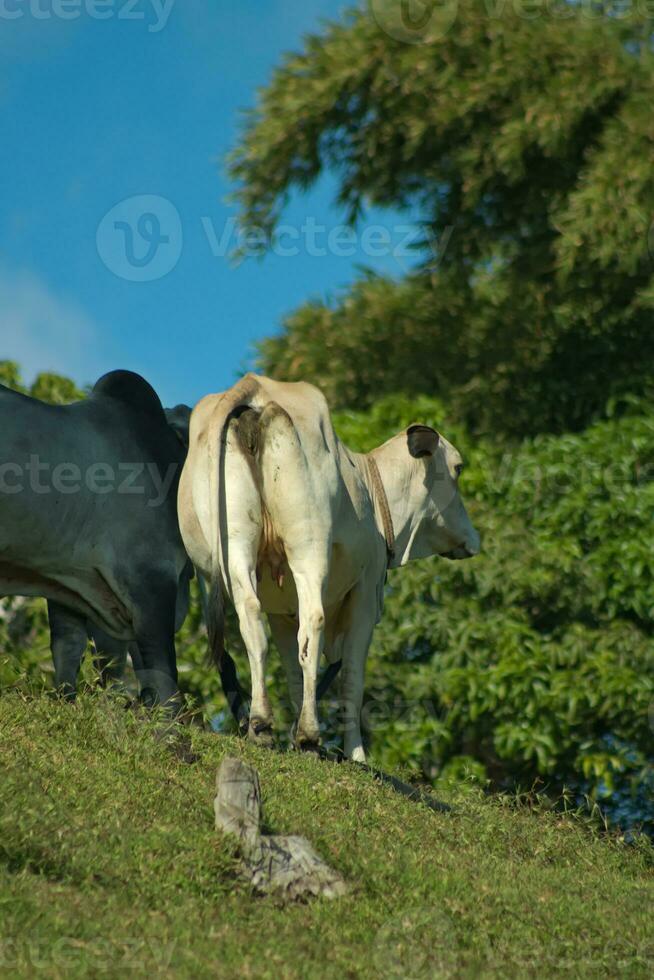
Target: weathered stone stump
[(286, 867)]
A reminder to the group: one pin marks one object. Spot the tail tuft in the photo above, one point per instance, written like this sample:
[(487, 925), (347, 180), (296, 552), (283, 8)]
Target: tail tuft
[(216, 625)]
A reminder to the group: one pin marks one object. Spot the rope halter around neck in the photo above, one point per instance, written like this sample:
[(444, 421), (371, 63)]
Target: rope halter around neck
[(379, 496)]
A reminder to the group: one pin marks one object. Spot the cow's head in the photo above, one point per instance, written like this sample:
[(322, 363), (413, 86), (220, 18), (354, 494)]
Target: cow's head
[(420, 470), (179, 419)]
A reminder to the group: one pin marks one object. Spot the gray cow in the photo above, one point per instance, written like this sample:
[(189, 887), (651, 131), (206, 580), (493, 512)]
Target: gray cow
[(69, 633), (88, 519)]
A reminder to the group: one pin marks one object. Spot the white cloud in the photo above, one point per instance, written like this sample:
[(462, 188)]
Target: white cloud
[(45, 332)]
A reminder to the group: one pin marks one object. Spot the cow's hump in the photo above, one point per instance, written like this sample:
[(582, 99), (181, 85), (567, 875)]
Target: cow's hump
[(131, 389)]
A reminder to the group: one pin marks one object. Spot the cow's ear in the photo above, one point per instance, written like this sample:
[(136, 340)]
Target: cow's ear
[(422, 440)]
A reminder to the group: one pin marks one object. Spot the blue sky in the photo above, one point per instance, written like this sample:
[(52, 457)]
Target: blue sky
[(97, 112)]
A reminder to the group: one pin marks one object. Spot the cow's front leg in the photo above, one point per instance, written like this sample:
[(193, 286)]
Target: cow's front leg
[(356, 644), (154, 626), (68, 640)]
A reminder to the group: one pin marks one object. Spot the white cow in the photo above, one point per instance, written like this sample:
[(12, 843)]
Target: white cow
[(277, 511)]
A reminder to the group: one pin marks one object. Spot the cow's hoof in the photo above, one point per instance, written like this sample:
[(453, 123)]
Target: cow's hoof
[(148, 697), (261, 732), (66, 692), (305, 744)]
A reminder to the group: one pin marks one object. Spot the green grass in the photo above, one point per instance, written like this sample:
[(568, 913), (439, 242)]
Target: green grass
[(110, 866)]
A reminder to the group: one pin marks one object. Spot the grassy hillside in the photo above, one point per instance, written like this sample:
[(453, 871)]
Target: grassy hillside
[(109, 864)]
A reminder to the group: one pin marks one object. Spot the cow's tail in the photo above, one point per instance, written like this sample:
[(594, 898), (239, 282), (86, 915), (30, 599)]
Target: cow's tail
[(237, 397), (240, 396)]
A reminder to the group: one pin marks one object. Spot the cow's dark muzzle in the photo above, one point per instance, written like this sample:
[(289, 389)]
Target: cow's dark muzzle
[(457, 554)]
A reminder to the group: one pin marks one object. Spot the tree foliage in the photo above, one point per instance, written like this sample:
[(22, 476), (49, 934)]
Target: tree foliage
[(46, 386), (529, 139)]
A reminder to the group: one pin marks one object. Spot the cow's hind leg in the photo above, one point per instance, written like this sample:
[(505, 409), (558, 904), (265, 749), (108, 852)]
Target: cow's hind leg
[(301, 516), (304, 643), (241, 529), (251, 623), (68, 640), (310, 580)]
